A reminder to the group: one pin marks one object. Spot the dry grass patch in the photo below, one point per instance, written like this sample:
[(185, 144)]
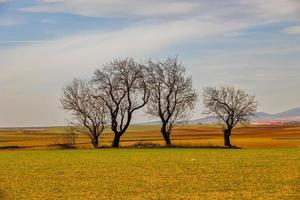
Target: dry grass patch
[(151, 174)]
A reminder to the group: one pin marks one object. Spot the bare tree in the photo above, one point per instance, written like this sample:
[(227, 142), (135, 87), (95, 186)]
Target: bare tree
[(121, 85), (88, 114), (172, 94), (231, 106)]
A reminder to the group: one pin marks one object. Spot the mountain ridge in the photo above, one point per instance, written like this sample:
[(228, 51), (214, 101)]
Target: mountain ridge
[(288, 115)]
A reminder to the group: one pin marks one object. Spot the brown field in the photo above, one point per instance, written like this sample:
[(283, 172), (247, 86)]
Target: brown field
[(275, 136)]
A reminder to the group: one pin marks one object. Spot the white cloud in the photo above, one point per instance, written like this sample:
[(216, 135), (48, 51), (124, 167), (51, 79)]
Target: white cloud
[(91, 49), (118, 8), (37, 70), (292, 30), (277, 9), (42, 68), (264, 10)]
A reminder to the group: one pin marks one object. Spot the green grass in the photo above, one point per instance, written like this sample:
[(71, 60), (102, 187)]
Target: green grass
[(150, 174)]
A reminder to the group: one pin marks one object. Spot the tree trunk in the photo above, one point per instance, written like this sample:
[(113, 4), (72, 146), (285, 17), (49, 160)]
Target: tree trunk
[(116, 141), (166, 136), (227, 138), (95, 143), (167, 140)]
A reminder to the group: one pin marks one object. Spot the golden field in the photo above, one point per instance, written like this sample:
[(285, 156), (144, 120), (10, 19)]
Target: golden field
[(267, 166), (251, 136), (265, 174)]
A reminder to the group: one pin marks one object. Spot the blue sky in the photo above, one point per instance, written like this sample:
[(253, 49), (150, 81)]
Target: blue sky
[(44, 44)]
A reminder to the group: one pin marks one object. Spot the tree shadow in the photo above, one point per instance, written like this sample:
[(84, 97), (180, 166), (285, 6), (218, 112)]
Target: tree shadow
[(178, 146), (203, 147), (11, 147)]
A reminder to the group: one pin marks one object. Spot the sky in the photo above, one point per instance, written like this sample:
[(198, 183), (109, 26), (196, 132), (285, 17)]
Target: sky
[(44, 44)]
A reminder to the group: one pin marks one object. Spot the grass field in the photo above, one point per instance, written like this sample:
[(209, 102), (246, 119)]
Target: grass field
[(284, 136), (267, 166), (151, 174)]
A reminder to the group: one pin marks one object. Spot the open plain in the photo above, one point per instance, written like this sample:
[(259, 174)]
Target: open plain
[(251, 136), (266, 167)]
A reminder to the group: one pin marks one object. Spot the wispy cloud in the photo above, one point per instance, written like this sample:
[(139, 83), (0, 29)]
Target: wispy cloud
[(24, 41), (292, 30), (35, 70), (37, 64), (91, 49), (11, 21), (271, 9), (119, 8)]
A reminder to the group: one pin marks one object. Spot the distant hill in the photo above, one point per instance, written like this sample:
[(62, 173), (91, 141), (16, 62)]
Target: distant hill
[(289, 115)]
